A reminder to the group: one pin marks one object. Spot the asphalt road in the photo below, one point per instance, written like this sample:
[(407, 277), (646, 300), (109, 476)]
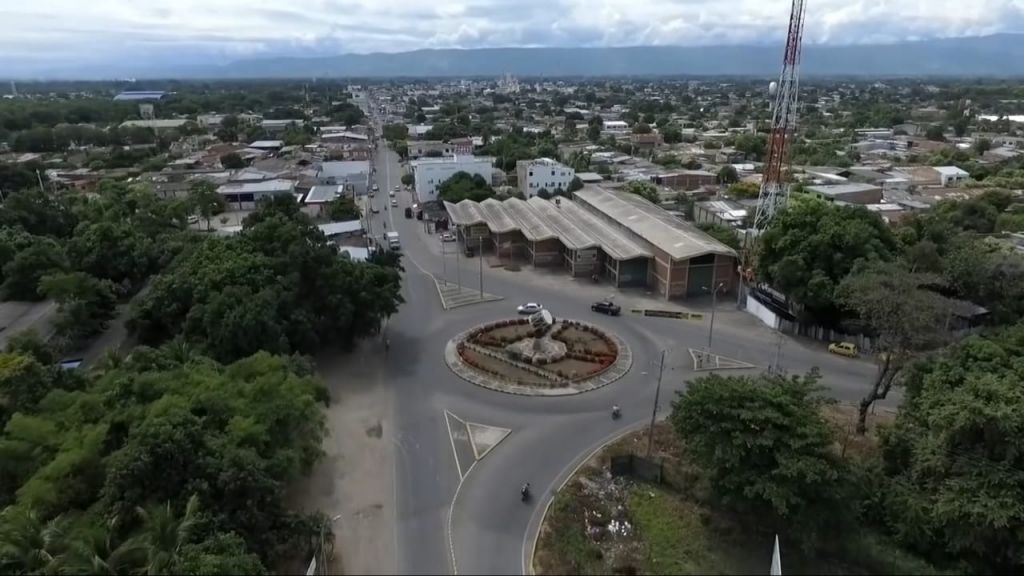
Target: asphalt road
[(491, 529)]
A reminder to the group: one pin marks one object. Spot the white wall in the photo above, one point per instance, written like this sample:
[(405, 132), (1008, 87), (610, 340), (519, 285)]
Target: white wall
[(429, 175), (549, 177), (762, 313)]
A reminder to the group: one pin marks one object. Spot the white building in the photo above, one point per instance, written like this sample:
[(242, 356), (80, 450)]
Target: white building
[(616, 126), (951, 175), (543, 173), (429, 173)]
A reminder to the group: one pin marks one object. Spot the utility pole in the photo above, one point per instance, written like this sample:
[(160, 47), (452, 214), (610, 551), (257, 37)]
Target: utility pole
[(458, 264), (654, 410), (480, 256), (711, 324), (444, 264)]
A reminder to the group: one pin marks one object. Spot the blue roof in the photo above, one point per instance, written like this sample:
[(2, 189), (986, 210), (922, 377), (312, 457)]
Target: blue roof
[(140, 95)]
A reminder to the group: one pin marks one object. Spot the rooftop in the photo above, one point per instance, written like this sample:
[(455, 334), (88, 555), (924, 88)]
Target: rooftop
[(335, 228), (323, 194), (344, 168), (457, 159), (140, 95), (679, 239), (262, 187), (840, 189), (266, 144)]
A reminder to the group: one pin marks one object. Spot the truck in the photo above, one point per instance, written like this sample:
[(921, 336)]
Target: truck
[(393, 243)]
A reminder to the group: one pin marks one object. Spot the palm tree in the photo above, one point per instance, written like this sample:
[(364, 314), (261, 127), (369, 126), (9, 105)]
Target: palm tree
[(99, 552), (164, 534), (179, 351), (27, 544)]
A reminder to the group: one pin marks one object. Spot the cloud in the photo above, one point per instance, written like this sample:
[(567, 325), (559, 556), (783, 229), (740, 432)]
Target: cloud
[(66, 33)]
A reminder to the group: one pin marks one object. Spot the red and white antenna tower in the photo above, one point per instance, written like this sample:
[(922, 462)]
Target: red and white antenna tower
[(774, 192)]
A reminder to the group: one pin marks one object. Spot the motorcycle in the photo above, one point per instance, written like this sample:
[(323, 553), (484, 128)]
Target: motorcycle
[(615, 413), (525, 492)]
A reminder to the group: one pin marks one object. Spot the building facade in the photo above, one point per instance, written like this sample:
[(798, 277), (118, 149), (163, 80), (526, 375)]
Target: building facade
[(542, 173), (429, 173), (354, 175)]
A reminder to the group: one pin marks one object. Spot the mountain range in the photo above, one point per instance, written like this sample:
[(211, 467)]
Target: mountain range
[(995, 55)]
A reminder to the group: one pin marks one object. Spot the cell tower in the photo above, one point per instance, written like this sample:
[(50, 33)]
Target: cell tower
[(774, 192)]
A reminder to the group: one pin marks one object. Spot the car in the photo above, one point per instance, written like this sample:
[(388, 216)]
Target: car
[(394, 202), (374, 209), (529, 308), (447, 237), (375, 188), (397, 188), (843, 349), (606, 307)]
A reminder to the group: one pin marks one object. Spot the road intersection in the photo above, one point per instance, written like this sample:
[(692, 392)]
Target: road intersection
[(457, 518)]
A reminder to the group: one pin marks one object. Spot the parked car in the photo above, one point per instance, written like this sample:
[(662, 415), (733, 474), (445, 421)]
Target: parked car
[(606, 307), (843, 349), (529, 308), (447, 237), (374, 209), (408, 212)]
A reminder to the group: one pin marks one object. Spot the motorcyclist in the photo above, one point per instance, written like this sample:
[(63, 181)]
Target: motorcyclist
[(615, 411), (525, 492)]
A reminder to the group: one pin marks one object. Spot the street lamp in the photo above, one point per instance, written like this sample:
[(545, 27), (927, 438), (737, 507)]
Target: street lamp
[(654, 409), (711, 324)]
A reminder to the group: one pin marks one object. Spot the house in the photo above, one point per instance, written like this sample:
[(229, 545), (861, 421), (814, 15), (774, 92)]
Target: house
[(645, 141), (429, 173), (279, 126), (724, 212), (437, 149), (140, 95), (615, 127), (543, 173), (354, 175), (320, 196), (951, 176), (274, 145), (418, 131), (246, 194), (157, 125), (590, 177), (685, 179)]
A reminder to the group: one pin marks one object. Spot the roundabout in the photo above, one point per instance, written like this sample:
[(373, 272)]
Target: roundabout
[(538, 356)]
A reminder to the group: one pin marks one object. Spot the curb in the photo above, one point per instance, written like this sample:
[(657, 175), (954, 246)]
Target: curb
[(622, 364), (615, 437)]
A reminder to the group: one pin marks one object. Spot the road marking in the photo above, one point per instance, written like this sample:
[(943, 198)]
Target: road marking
[(451, 438), (482, 430), (716, 361)]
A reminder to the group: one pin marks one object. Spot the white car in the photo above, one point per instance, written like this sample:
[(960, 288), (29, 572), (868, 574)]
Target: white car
[(394, 202), (530, 308), (447, 237)]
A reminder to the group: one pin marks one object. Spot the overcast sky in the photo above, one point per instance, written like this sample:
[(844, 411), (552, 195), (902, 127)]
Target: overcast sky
[(44, 34)]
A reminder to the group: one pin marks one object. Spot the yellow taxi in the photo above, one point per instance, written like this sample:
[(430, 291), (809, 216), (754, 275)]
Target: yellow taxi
[(843, 349)]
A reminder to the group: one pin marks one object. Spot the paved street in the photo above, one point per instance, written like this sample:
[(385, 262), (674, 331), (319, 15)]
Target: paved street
[(489, 524)]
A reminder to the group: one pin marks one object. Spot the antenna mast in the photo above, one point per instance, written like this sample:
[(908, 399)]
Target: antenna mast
[(774, 191)]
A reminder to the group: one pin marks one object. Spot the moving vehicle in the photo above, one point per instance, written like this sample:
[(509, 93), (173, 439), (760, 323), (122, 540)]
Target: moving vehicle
[(375, 188), (408, 212), (394, 202), (374, 209), (606, 307), (529, 308), (843, 349), (447, 237), (393, 242)]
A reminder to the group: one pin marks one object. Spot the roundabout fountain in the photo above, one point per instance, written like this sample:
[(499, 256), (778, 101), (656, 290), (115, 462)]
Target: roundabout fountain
[(539, 355)]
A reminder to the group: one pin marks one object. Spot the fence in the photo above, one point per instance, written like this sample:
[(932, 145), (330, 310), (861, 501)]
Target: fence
[(767, 311)]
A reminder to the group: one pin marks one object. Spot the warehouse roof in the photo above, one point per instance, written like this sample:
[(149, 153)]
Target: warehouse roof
[(613, 242), (679, 239), (497, 218), (532, 227), (568, 232)]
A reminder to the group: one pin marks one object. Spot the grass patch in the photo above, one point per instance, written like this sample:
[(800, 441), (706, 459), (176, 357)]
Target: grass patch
[(673, 534), (563, 547)]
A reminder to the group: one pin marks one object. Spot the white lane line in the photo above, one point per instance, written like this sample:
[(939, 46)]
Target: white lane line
[(451, 438)]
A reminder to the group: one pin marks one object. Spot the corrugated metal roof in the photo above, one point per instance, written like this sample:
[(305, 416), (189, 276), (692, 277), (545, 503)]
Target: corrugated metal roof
[(532, 227), (571, 235), (681, 240), (613, 243)]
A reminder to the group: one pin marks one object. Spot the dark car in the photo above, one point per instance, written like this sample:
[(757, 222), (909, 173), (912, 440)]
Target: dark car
[(606, 307)]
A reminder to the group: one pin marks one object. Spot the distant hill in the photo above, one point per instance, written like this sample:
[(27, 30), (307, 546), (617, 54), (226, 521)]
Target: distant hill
[(997, 55)]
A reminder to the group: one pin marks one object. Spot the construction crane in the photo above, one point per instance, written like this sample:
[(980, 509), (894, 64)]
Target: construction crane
[(774, 191)]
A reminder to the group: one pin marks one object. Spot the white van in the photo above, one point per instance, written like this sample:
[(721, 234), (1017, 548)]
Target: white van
[(393, 243)]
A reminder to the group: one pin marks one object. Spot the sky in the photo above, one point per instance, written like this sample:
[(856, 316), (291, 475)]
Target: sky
[(47, 35)]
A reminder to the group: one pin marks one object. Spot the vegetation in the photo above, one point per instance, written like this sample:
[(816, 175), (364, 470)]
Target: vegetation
[(724, 234), (277, 286), (342, 209), (465, 186), (645, 190), (165, 462)]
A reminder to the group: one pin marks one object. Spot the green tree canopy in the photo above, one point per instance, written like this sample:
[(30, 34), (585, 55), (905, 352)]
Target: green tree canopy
[(343, 208), (646, 190), (462, 186), (765, 447), (813, 245)]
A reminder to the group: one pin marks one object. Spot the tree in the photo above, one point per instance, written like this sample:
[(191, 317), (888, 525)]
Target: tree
[(594, 132), (954, 475), (29, 545), (982, 145), (575, 184), (960, 126), (752, 145), (671, 134), (935, 132), (904, 314), (462, 186), (395, 132), (85, 304), (204, 200), (544, 194), (232, 161), (643, 189), (164, 534), (642, 128), (229, 128), (764, 446), (343, 208), (743, 190), (408, 179), (727, 175), (724, 234), (813, 245), (23, 383), (22, 274)]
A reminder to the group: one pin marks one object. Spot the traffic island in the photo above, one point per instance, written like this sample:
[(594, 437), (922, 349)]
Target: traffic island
[(538, 356)]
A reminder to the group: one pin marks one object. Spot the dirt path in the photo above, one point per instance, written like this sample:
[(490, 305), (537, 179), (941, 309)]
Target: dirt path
[(355, 481)]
